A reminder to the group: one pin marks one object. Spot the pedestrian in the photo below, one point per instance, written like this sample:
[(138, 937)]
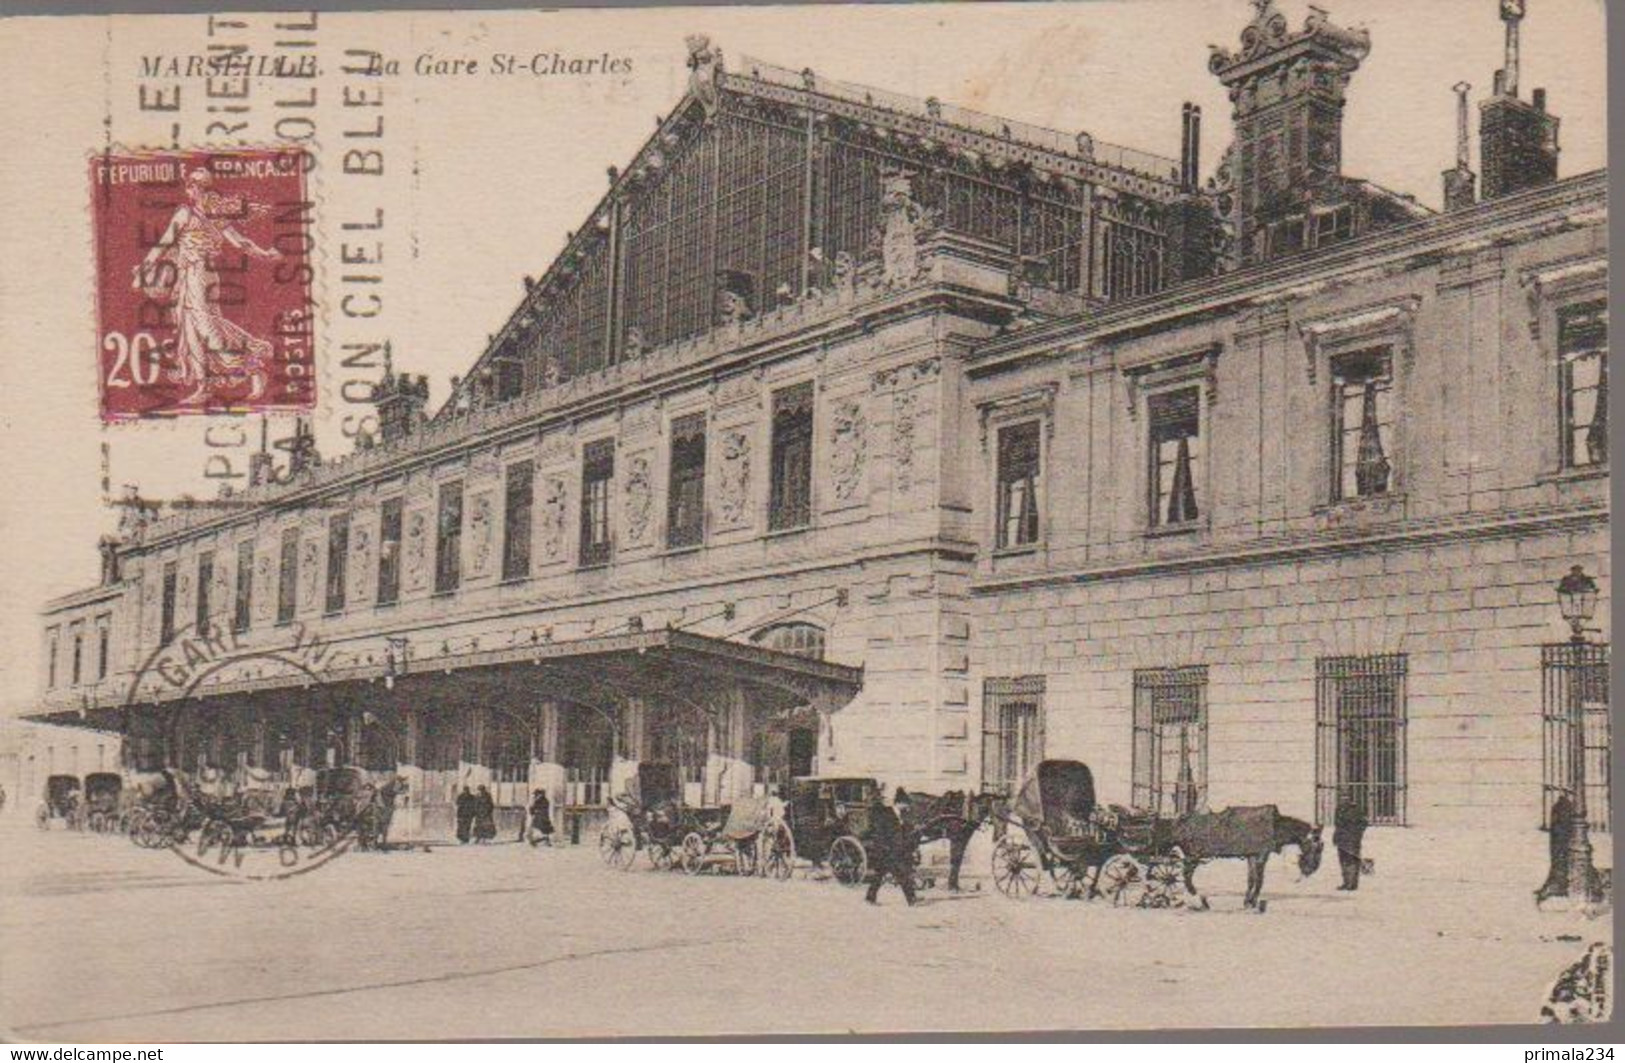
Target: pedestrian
[(465, 816), (485, 816), (1348, 829), (891, 851), (1560, 839), (541, 820)]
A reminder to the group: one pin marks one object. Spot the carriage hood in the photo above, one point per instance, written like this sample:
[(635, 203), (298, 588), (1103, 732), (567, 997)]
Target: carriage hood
[(1055, 791)]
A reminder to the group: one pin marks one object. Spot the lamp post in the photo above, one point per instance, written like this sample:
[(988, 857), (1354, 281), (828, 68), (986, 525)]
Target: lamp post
[(1577, 601)]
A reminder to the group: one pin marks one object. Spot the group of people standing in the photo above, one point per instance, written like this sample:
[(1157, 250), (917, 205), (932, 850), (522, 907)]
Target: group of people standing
[(477, 818)]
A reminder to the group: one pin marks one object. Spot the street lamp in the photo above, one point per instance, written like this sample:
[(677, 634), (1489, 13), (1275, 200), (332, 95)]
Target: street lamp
[(1577, 601)]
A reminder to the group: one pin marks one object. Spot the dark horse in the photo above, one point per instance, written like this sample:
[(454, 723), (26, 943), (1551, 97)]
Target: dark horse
[(956, 815), (1251, 833)]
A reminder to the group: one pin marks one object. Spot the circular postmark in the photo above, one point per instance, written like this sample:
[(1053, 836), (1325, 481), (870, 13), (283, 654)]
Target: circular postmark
[(207, 804)]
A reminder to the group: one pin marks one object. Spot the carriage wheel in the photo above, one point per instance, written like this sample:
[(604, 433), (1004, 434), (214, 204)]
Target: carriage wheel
[(617, 846), (1122, 881), (661, 858), (777, 852), (694, 849), (1162, 884), (847, 860), (1015, 868), (1070, 881)]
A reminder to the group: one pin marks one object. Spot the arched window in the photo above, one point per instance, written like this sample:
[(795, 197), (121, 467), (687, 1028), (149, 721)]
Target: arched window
[(802, 640)]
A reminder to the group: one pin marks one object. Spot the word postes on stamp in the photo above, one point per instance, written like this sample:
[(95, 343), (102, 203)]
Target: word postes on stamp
[(204, 272)]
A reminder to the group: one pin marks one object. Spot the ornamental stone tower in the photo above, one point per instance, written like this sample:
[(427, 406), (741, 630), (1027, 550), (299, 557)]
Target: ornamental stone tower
[(1287, 91)]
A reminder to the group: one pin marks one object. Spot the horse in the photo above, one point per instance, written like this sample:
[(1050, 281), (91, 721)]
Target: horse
[(375, 816), (1248, 832), (956, 815)]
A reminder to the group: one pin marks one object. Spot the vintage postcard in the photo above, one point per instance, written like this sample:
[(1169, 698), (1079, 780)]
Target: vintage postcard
[(805, 520)]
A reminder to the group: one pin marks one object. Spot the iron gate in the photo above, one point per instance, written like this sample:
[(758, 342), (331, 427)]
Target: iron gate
[(1574, 686), (1360, 735)]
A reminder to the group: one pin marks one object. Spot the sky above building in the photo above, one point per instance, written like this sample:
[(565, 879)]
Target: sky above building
[(487, 175)]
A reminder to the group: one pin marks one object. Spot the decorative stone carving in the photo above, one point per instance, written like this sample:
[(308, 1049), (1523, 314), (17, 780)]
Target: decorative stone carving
[(905, 409), (848, 448), (309, 561), (639, 499), (733, 488), (705, 71), (553, 515), (903, 224), (361, 564), (417, 549), (557, 446), (481, 533), (265, 593), (1560, 279)]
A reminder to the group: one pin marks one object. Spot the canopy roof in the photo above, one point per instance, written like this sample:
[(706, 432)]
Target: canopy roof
[(1058, 794)]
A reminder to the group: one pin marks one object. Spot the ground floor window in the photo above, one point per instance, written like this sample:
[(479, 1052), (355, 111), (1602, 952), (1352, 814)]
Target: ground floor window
[(1574, 685), (1012, 730), (1360, 735), (586, 749), (1170, 739)]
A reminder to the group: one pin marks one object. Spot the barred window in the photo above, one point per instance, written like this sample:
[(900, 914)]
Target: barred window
[(243, 613), (338, 552), (389, 551), (448, 540), (518, 498), (1175, 455), (790, 500), (1133, 260), (597, 471), (1360, 735), (205, 582), (685, 497), (1170, 739), (1362, 424), (1012, 731), (800, 640), (166, 613), (1018, 481), (287, 598), (1582, 343)]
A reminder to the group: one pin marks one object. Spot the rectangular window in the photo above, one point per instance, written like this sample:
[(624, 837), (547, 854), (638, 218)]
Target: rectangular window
[(244, 612), (1582, 344), (448, 540), (338, 551), (790, 498), (685, 498), (1012, 731), (78, 651), (597, 470), (166, 614), (389, 552), (287, 589), (1170, 739), (510, 379), (518, 502), (1360, 735), (205, 584), (104, 633), (1175, 456), (1362, 425), (53, 636), (1018, 483), (1574, 689)]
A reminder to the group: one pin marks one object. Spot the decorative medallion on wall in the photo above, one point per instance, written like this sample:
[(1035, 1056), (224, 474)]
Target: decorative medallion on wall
[(222, 588), (307, 571), (361, 566), (639, 499), (481, 532), (417, 549), (733, 489), (848, 446), (265, 594), (553, 515)]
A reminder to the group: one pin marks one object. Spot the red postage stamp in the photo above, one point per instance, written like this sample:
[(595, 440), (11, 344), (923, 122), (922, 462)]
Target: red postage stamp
[(204, 272)]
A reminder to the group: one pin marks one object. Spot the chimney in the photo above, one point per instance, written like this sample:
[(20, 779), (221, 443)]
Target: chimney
[(1287, 80), (1190, 147), (1518, 140), (1460, 183)]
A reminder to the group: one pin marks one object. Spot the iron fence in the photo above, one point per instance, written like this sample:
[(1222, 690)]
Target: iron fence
[(1574, 688)]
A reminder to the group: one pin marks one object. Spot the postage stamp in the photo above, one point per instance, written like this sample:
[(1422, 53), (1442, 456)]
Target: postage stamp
[(203, 282)]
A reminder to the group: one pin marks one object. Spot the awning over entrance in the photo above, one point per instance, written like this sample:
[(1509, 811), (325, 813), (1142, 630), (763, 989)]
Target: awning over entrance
[(665, 662)]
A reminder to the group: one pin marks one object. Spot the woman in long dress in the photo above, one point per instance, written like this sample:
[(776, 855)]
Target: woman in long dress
[(207, 344)]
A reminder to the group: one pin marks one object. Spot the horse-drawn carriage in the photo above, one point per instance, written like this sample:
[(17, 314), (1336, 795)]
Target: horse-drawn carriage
[(62, 804), (826, 820), (345, 800), (652, 818), (105, 810)]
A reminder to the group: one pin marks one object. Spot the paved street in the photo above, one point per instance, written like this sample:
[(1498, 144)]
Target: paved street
[(102, 941)]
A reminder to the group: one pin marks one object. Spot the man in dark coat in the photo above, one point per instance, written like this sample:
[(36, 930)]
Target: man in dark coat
[(1560, 840), (541, 820), (465, 816), (891, 851), (485, 816), (1348, 829)]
